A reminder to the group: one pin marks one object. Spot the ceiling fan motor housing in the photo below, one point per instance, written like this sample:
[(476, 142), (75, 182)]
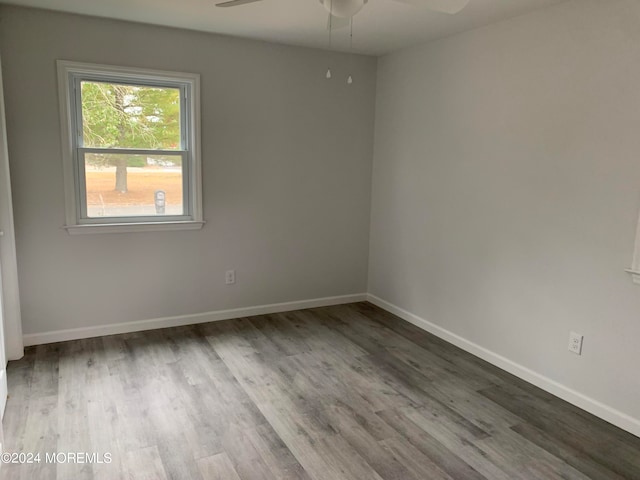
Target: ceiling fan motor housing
[(343, 8)]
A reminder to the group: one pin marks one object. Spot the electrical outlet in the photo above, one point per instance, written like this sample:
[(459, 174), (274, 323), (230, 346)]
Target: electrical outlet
[(575, 343), (230, 277)]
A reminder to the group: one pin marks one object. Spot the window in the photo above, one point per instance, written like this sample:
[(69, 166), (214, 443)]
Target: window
[(634, 271), (130, 148)]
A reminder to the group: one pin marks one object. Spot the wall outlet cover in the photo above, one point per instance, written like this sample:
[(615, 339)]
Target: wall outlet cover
[(575, 343)]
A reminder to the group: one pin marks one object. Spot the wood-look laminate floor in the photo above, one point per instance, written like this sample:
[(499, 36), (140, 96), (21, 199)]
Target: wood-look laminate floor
[(348, 392)]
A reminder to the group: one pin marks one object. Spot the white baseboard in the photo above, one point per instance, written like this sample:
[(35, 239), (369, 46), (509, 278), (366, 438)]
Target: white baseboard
[(181, 320), (605, 412)]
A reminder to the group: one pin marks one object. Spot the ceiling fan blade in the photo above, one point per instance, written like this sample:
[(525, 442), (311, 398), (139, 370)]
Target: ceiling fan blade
[(333, 22), (235, 3), (443, 6)]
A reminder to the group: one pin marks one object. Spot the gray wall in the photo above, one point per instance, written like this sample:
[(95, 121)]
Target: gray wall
[(507, 186), (286, 176)]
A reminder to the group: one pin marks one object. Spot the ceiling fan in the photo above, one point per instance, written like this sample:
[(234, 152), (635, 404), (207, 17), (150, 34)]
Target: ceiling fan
[(346, 9)]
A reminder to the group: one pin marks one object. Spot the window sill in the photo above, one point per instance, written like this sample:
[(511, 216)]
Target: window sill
[(132, 227)]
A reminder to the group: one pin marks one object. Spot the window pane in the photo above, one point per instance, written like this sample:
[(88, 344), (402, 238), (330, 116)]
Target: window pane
[(133, 185), (130, 116)]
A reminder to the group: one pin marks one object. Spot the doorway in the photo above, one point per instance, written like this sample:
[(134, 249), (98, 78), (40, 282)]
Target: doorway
[(11, 346)]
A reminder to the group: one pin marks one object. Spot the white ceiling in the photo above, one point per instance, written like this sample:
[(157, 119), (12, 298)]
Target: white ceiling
[(381, 27)]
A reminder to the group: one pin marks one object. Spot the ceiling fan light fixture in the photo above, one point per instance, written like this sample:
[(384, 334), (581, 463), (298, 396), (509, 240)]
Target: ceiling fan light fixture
[(343, 8)]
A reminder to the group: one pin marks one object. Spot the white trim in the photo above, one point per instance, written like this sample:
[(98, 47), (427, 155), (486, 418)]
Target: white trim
[(10, 291), (3, 392), (605, 412), (635, 275), (64, 99), (192, 80), (132, 227), (181, 320), (634, 271)]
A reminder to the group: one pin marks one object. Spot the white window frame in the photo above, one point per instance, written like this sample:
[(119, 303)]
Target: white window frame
[(634, 271), (70, 74)]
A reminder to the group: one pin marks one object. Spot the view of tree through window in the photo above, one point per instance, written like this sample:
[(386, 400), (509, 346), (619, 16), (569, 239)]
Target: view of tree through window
[(132, 117)]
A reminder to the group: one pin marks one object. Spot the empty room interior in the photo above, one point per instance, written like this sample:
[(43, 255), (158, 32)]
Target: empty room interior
[(320, 239)]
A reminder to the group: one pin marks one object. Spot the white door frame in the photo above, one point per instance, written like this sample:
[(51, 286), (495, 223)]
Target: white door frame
[(14, 347)]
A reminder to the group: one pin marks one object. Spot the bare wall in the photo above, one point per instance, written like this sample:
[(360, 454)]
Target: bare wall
[(286, 176), (506, 191)]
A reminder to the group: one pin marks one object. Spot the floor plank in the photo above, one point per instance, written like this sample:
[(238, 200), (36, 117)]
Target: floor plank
[(217, 467)]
